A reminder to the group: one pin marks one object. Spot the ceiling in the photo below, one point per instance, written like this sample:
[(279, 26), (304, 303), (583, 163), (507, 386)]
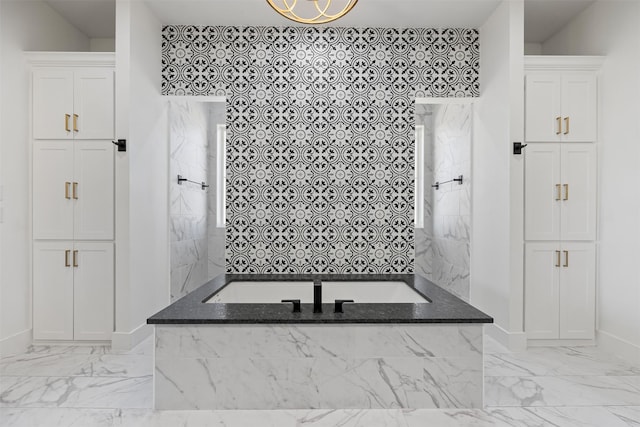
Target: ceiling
[(543, 18)]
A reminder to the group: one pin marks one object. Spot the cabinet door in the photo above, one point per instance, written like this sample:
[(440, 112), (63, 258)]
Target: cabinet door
[(93, 190), (579, 108), (577, 291), (578, 176), (52, 104), (93, 290), (52, 190), (93, 104), (541, 287), (542, 192), (542, 107), (52, 291)]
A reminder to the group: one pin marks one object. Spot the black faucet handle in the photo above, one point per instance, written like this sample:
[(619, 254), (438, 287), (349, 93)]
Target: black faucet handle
[(339, 303), (296, 304)]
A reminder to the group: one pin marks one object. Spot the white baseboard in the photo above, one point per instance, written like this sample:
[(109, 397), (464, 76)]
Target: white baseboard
[(128, 340), (16, 343), (618, 346), (514, 341)]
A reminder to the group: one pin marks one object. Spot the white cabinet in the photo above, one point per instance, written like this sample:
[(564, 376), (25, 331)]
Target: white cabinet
[(560, 106), (560, 192), (560, 290), (73, 103), (73, 290), (73, 195), (73, 190)]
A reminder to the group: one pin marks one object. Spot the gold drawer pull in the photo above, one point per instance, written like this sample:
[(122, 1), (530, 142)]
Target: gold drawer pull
[(566, 192), (75, 258), (75, 190), (566, 123), (566, 259), (559, 120), (66, 122), (75, 123), (66, 258), (558, 192), (66, 190), (557, 258)]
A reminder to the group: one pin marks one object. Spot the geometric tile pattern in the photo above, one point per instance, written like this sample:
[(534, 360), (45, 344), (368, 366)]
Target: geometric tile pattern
[(320, 133)]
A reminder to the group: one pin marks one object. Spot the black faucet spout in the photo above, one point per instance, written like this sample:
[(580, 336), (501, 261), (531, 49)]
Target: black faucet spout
[(317, 296)]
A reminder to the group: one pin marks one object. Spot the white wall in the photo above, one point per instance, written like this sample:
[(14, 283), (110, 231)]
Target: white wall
[(25, 26), (102, 45), (496, 230), (142, 276), (611, 29)]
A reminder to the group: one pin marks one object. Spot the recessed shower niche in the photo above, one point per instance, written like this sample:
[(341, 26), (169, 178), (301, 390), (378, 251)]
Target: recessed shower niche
[(197, 138), (443, 211)]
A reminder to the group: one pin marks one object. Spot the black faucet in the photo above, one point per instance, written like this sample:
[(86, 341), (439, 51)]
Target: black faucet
[(317, 296)]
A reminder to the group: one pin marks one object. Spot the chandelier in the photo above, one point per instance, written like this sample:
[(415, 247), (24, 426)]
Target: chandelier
[(312, 11)]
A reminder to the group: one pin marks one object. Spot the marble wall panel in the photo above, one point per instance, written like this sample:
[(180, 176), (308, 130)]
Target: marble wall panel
[(451, 218), (188, 156)]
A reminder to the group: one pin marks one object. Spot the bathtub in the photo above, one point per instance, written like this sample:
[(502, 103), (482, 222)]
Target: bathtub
[(404, 344), (273, 292)]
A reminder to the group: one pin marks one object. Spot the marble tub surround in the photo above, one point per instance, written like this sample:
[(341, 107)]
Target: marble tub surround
[(264, 356), (318, 366), (444, 307)]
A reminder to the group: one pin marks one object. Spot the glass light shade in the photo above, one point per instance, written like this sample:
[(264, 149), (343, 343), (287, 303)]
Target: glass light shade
[(312, 11)]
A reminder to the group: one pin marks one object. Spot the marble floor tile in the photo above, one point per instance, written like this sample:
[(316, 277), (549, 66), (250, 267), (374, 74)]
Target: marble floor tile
[(76, 392), (598, 416), (562, 391), (72, 364), (60, 417), (628, 414), (557, 361), (351, 418), (498, 417)]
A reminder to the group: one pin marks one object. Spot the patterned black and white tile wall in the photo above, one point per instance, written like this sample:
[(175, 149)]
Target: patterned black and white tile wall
[(320, 128)]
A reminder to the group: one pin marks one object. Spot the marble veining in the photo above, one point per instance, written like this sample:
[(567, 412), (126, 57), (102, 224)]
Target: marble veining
[(318, 366), (84, 410)]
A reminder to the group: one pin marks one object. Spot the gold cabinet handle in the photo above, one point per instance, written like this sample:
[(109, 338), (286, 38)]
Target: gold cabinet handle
[(559, 120), (566, 192), (66, 190), (558, 192), (75, 258), (566, 125), (566, 259), (66, 258), (75, 190), (557, 258), (75, 123), (66, 122)]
